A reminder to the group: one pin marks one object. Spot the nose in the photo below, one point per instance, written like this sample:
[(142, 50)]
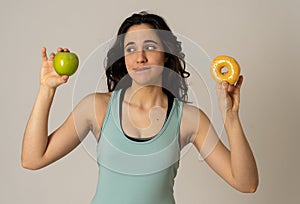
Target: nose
[(141, 56)]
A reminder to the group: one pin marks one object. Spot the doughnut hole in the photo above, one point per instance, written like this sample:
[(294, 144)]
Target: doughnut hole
[(224, 70)]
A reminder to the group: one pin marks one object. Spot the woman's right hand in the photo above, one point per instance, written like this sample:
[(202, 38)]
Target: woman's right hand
[(48, 77)]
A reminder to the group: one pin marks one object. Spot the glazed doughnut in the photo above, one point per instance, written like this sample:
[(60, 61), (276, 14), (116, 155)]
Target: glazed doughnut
[(232, 73)]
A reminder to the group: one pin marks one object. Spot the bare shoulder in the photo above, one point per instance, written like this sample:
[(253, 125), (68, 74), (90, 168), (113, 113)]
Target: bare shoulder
[(95, 105), (93, 102), (100, 103), (101, 98), (189, 109), (191, 112)]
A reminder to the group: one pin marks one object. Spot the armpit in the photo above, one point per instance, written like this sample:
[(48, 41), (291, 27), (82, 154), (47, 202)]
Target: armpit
[(189, 124)]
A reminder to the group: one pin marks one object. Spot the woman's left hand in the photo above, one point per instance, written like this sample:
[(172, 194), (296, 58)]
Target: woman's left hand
[(229, 97)]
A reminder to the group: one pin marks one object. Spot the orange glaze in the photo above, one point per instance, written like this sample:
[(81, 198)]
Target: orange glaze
[(233, 73)]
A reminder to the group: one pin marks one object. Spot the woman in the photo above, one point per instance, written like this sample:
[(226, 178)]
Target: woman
[(143, 122)]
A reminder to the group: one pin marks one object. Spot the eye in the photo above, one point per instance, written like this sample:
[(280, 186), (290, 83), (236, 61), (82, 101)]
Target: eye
[(150, 47), (130, 49)]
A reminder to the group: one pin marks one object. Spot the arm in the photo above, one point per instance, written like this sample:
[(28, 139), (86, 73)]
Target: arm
[(236, 166), (38, 149)]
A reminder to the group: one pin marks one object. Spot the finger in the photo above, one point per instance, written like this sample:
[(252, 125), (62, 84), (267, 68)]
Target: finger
[(219, 85), (239, 82), (59, 49), (225, 85), (64, 78), (52, 55), (44, 54), (66, 50)]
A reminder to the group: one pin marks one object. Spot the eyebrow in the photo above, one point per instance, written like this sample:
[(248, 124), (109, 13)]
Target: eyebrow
[(146, 41)]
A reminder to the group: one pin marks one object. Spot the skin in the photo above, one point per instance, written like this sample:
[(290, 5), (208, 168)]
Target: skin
[(144, 59), (143, 102)]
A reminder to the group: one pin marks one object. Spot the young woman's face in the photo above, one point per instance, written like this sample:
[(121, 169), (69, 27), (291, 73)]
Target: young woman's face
[(144, 56)]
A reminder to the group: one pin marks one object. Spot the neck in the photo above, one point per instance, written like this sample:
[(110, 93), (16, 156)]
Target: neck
[(146, 97)]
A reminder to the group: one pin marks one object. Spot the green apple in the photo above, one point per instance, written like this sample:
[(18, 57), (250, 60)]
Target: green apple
[(65, 63)]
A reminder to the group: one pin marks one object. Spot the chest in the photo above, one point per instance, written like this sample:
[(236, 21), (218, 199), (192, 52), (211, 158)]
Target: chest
[(142, 123)]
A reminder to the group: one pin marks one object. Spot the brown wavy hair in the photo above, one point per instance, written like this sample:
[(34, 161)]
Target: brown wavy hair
[(174, 82)]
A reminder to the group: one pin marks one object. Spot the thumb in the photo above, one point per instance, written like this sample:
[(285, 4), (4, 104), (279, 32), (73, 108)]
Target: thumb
[(63, 79), (54, 81)]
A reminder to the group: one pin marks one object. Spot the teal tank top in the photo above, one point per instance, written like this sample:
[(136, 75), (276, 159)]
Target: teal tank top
[(132, 172)]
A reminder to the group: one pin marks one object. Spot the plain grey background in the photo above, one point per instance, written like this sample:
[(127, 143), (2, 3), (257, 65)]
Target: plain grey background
[(262, 35)]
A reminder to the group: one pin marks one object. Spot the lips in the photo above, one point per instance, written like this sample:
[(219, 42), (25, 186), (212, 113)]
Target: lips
[(140, 69)]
